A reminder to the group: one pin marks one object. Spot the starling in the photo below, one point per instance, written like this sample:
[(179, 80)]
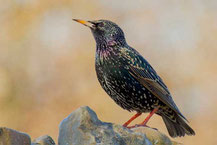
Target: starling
[(131, 81)]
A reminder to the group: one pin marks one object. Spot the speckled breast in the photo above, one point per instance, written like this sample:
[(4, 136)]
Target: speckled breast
[(122, 87)]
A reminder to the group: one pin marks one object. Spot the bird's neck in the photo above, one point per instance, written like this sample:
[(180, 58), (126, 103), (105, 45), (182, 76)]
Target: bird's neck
[(104, 50), (108, 44), (107, 50), (109, 47)]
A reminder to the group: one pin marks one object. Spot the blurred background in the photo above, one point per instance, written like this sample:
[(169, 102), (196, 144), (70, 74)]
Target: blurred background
[(47, 61)]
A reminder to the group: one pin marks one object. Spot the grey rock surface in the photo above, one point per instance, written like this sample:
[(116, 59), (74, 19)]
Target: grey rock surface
[(43, 140), (156, 137), (82, 127), (13, 137)]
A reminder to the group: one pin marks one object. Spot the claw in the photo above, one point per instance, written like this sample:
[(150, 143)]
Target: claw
[(140, 125)]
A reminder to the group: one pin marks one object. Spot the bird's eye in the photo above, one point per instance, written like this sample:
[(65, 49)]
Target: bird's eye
[(100, 24)]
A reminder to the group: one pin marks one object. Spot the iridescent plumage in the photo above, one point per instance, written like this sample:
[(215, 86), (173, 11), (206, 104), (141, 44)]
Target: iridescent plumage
[(130, 80)]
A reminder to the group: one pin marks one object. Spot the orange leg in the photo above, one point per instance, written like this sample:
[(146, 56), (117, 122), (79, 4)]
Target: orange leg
[(146, 119), (131, 119)]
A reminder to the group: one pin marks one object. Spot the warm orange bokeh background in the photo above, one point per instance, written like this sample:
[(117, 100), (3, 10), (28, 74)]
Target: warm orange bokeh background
[(47, 60)]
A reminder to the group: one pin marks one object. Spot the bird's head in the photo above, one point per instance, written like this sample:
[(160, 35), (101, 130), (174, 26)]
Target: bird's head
[(105, 31)]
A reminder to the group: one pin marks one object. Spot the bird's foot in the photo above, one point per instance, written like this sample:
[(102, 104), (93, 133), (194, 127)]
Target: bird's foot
[(137, 125), (140, 125)]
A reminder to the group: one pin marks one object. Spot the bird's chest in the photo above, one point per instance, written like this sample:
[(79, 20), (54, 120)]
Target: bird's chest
[(124, 89), (109, 65), (111, 73), (116, 80)]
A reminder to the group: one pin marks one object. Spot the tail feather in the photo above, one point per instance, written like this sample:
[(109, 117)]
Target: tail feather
[(177, 128)]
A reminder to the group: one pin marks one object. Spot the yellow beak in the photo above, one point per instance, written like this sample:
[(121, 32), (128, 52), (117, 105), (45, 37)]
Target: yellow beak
[(86, 23)]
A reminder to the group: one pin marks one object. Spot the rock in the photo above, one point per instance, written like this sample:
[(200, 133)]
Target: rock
[(13, 137), (176, 143), (43, 140), (82, 127), (154, 136)]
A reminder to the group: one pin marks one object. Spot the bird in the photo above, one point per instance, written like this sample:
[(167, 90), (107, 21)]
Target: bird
[(128, 78)]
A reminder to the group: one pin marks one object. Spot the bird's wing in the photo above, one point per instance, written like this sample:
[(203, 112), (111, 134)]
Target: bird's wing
[(142, 71), (151, 81)]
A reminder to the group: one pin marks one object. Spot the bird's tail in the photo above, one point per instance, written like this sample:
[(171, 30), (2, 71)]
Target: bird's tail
[(177, 127)]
